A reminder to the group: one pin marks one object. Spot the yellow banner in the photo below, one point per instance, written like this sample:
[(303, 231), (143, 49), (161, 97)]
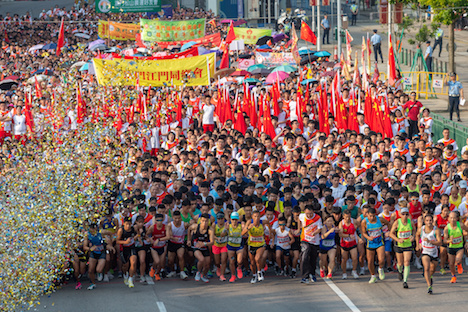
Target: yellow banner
[(250, 35), (117, 31), (190, 71)]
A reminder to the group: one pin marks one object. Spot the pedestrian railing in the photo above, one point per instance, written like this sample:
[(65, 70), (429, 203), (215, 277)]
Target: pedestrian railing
[(406, 57), (458, 132), (429, 84)]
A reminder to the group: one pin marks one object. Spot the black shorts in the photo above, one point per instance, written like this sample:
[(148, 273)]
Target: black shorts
[(173, 247), (431, 258), (159, 250), (81, 255), (204, 252), (145, 248), (453, 251), (324, 252), (268, 248), (297, 244), (398, 249), (253, 250), (97, 256), (349, 248), (126, 253)]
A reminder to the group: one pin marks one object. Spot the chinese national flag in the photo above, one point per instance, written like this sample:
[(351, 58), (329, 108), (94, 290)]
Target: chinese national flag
[(231, 36), (391, 64), (307, 34), (240, 122), (61, 39), (38, 88), (225, 59)]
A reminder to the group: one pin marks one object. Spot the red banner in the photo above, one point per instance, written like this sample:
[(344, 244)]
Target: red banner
[(215, 39)]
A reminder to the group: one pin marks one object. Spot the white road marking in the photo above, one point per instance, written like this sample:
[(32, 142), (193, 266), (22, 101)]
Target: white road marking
[(342, 295), (161, 306)]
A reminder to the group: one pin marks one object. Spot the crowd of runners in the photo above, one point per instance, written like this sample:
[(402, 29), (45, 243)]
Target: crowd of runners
[(196, 199)]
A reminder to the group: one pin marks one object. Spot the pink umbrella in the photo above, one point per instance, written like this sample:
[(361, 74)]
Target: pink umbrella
[(276, 76)]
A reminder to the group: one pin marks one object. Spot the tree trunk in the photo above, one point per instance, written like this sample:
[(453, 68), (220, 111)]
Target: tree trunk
[(451, 48)]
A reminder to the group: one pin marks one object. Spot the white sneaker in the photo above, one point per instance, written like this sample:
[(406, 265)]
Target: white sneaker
[(204, 279), (91, 287), (106, 278), (130, 282), (260, 277), (417, 262), (142, 279), (355, 275), (373, 279), (183, 275), (126, 279), (362, 271), (349, 264), (254, 279), (110, 276), (197, 277), (99, 277), (172, 274), (345, 276)]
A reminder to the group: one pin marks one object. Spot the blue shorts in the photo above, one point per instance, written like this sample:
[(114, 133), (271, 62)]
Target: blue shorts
[(231, 248), (285, 251), (388, 245)]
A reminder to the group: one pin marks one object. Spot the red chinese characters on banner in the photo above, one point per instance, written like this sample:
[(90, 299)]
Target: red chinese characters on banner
[(383, 11)]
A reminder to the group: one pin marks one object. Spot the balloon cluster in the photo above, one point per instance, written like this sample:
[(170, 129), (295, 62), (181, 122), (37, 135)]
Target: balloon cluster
[(46, 198)]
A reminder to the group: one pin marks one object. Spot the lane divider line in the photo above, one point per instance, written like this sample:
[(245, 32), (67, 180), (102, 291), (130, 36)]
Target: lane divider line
[(342, 295)]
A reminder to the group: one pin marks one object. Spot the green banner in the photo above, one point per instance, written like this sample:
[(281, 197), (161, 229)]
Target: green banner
[(154, 30), (122, 6), (250, 35)]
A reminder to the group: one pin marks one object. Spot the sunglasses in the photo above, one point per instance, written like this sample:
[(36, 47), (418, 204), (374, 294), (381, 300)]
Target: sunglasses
[(281, 224), (405, 214), (159, 220)]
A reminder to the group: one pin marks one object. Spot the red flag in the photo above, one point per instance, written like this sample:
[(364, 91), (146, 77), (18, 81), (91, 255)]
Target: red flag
[(37, 86), (368, 110), (138, 41), (225, 59), (267, 123), (391, 64), (352, 115), (80, 110), (323, 110), (307, 34), (376, 75), (294, 48), (213, 23), (7, 40), (240, 122), (27, 112), (61, 39), (231, 36)]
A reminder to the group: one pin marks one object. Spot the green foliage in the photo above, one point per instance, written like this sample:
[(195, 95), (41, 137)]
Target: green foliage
[(406, 22), (444, 9), (425, 33)]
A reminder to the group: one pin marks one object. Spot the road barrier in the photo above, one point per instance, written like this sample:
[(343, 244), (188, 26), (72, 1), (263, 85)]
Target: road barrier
[(431, 84), (458, 132)]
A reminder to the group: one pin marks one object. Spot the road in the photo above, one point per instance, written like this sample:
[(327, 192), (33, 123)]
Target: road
[(275, 294)]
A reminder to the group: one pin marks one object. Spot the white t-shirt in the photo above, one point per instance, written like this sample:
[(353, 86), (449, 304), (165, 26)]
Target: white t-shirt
[(72, 116), (309, 226), (19, 127), (208, 114)]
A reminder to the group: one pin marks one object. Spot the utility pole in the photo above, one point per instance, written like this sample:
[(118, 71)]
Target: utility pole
[(319, 27), (269, 12), (338, 26), (313, 18), (389, 23)]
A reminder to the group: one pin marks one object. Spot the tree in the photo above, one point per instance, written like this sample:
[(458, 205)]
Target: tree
[(447, 12)]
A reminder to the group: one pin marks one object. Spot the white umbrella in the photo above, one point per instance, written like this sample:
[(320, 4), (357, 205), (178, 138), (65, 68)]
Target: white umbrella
[(38, 77), (35, 48), (78, 64), (81, 35)]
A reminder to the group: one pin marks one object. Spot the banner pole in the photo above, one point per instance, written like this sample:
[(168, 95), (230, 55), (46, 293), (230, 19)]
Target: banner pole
[(208, 68)]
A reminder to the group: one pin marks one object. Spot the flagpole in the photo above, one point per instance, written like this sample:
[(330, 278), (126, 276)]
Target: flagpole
[(208, 68), (318, 26)]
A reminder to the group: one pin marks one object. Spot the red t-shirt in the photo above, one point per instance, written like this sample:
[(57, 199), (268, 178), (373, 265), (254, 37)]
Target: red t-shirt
[(413, 109)]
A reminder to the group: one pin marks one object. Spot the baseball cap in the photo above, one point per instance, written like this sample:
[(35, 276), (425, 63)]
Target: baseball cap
[(220, 215), (463, 184), (404, 210), (259, 185), (235, 215)]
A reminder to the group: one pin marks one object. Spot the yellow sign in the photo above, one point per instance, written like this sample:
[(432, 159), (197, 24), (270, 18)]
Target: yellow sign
[(190, 71), (117, 31), (250, 35)]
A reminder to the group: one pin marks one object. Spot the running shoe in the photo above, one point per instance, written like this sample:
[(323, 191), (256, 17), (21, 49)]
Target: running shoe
[(381, 274), (218, 272), (400, 276), (305, 281), (183, 275), (106, 278), (362, 271), (99, 277), (418, 264), (209, 274), (78, 286), (254, 279), (429, 290), (453, 280), (389, 269), (277, 270), (125, 279), (110, 276), (204, 279), (197, 277), (222, 278), (142, 279), (157, 277), (239, 273), (232, 279), (460, 268), (329, 276), (345, 276), (355, 275), (373, 279), (322, 273), (293, 274), (260, 276), (405, 285), (172, 274), (312, 279), (91, 287), (281, 273), (265, 268), (130, 282), (442, 271), (152, 271)]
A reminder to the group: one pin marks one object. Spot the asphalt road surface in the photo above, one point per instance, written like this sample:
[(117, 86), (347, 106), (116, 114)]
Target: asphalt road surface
[(274, 294)]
